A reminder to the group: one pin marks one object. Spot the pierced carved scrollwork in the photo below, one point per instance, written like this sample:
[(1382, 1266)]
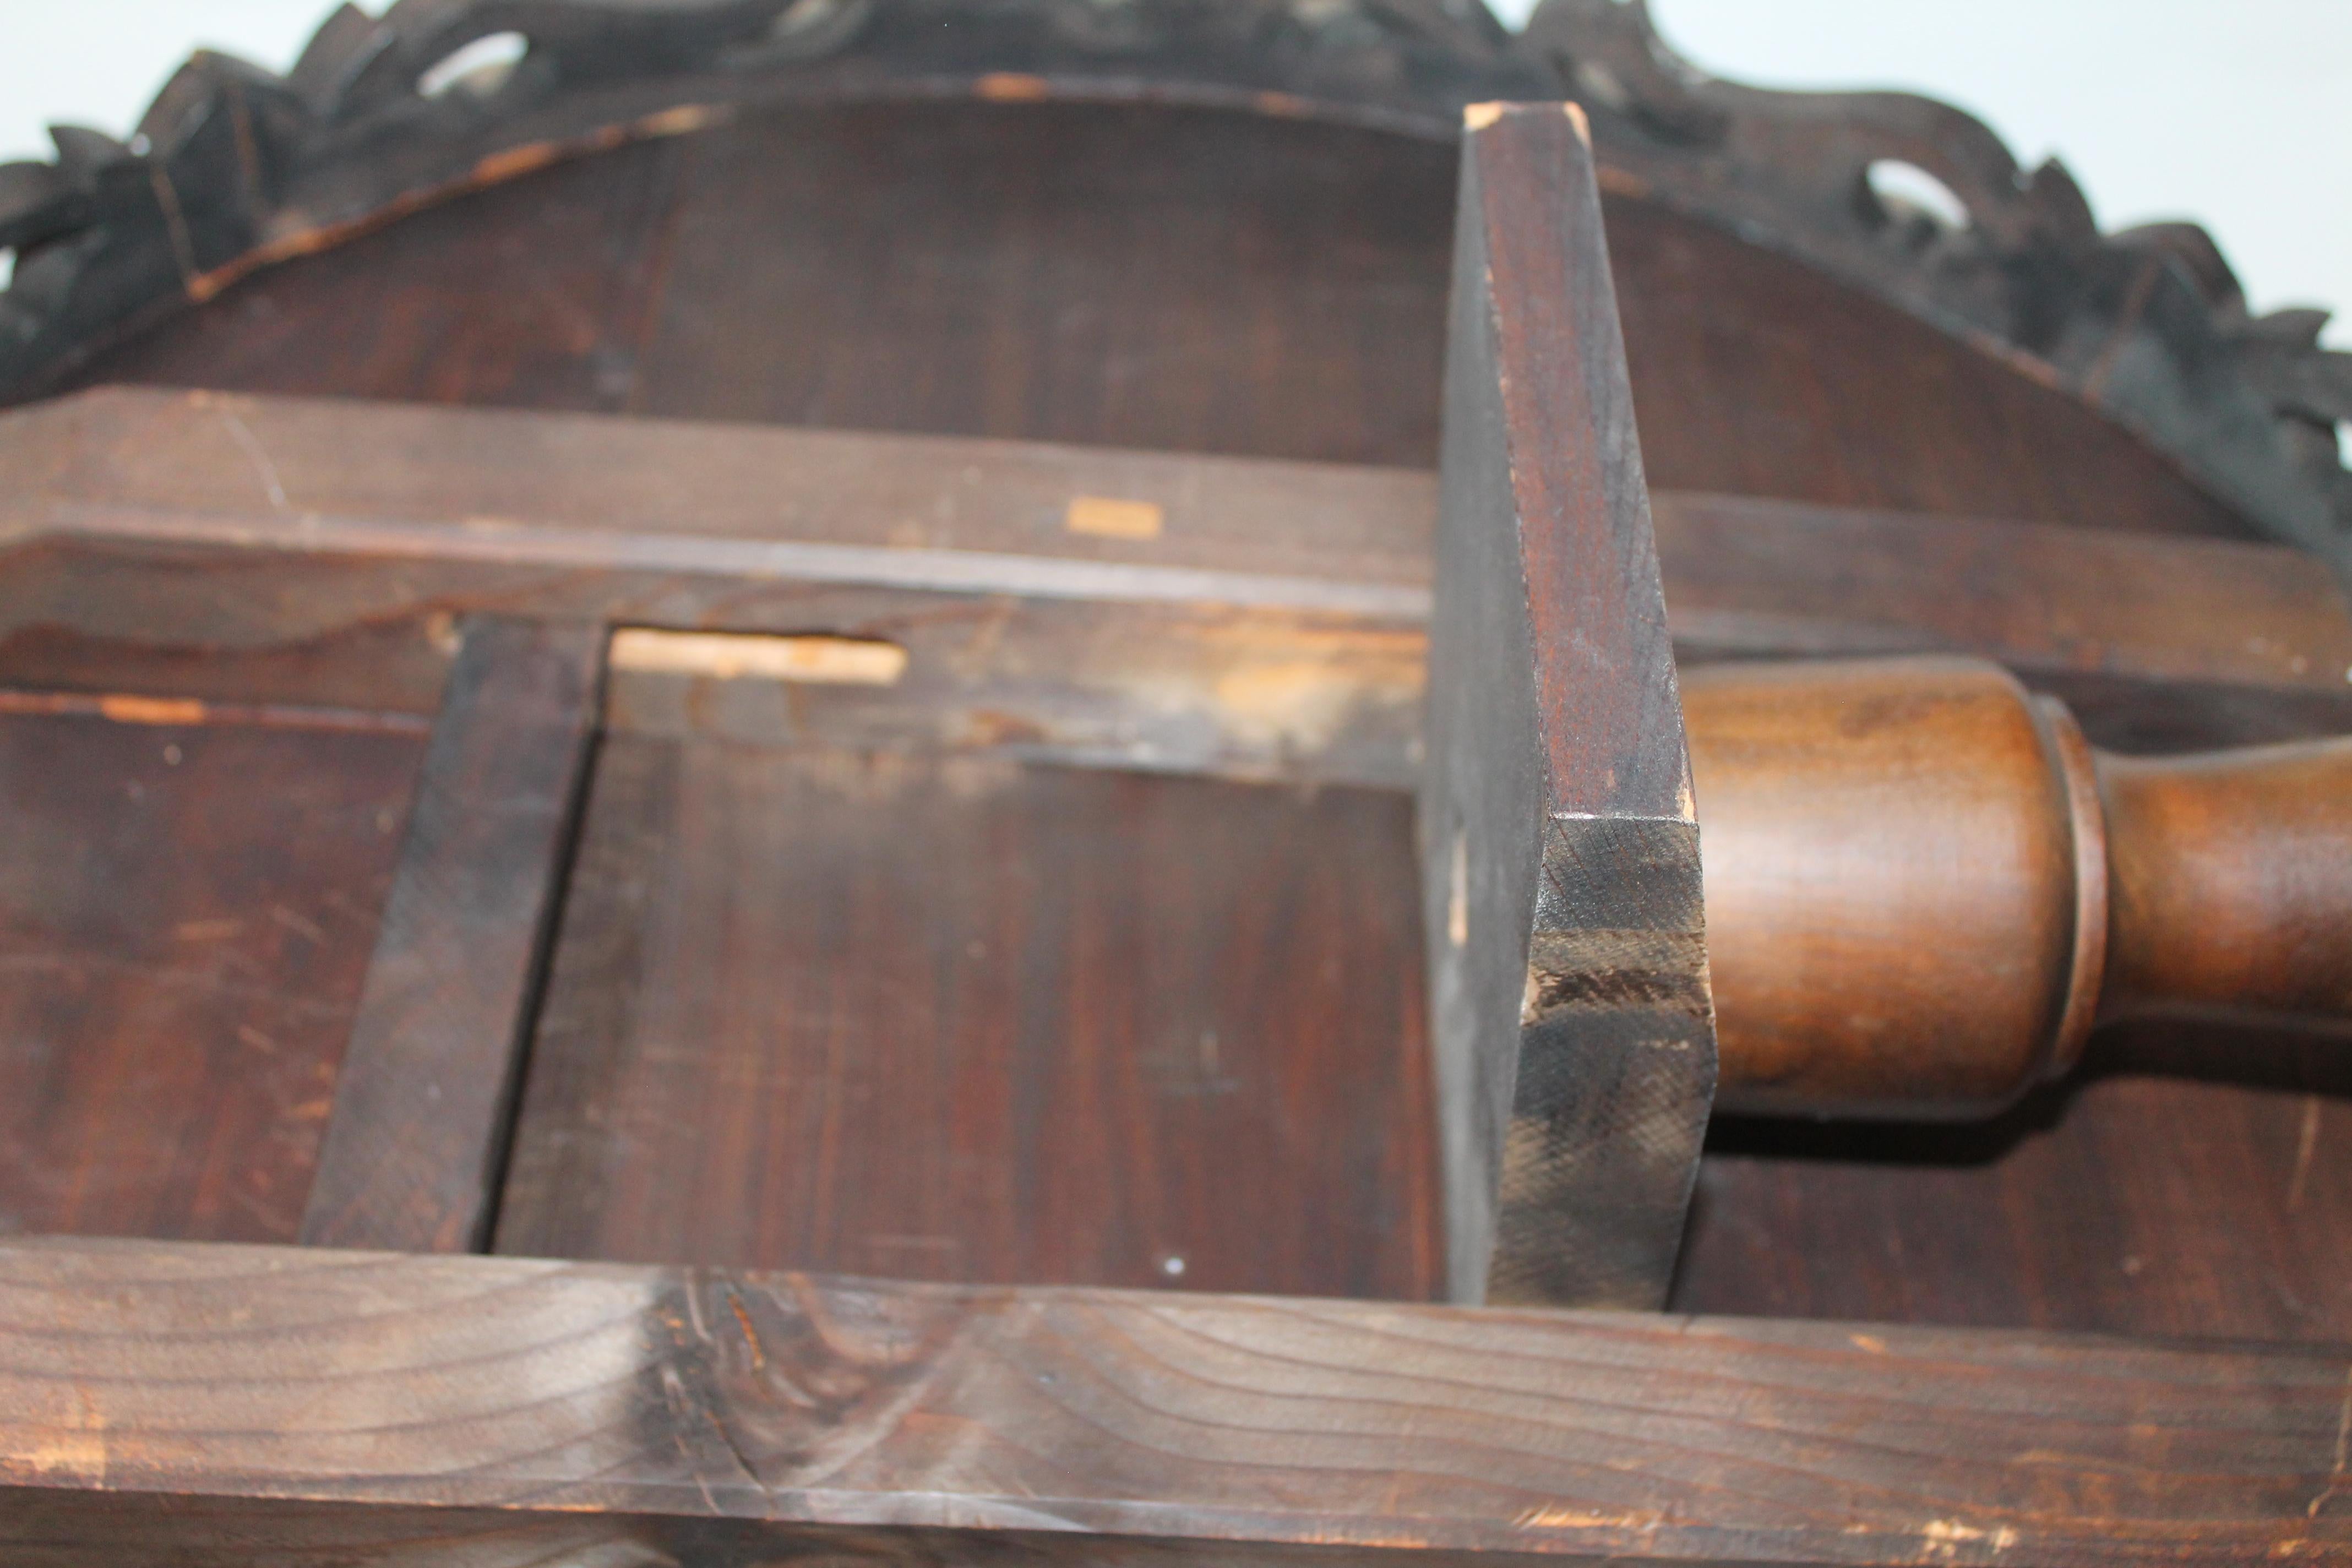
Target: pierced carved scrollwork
[(2148, 323), (234, 166)]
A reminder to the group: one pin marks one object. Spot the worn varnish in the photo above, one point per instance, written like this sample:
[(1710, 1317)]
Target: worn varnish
[(963, 1019), (187, 905), (1179, 1427)]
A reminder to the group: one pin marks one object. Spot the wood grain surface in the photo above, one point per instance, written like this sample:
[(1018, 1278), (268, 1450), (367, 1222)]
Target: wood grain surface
[(955, 1018), (1907, 885), (290, 1376), (1130, 275), (2201, 1204), (1951, 1225), (2158, 644), (413, 1152), (186, 909), (1569, 1024), (2233, 884)]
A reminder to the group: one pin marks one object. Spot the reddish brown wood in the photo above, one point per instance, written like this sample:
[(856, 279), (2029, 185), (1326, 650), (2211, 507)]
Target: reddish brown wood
[(1208, 1428), (1134, 275), (413, 1152), (961, 1019), (2232, 883), (2179, 1184), (187, 907), (1905, 884)]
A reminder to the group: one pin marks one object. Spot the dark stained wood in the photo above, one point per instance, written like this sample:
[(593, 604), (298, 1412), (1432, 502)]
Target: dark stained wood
[(186, 908), (1152, 277), (1046, 271), (506, 472), (961, 1019), (543, 1389), (578, 243), (2155, 1193), (1755, 374), (413, 1152), (1570, 1025), (2159, 617)]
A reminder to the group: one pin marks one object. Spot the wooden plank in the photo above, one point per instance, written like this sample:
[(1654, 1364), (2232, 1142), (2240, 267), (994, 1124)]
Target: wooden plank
[(1746, 576), (187, 903), (1211, 1424), (412, 1153), (506, 472), (1571, 1029), (944, 1017), (388, 519)]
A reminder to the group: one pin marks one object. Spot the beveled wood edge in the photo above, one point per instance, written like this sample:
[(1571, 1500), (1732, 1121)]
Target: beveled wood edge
[(1571, 1027), (215, 1373)]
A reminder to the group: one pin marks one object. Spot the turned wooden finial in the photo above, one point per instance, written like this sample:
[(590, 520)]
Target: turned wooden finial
[(1924, 888)]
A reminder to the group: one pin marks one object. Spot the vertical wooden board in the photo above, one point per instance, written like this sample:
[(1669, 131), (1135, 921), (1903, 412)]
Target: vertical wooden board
[(185, 914), (411, 1155), (954, 1018), (1573, 1034)]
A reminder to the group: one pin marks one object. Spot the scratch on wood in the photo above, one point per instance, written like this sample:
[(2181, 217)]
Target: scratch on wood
[(750, 1335), (267, 470), (1556, 1518), (2306, 1142), (2342, 1472), (1945, 1537)]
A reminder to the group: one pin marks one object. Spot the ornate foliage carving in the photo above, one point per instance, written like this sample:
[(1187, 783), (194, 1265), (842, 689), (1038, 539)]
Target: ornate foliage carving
[(234, 166)]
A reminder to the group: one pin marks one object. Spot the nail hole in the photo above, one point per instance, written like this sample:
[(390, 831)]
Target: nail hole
[(477, 69)]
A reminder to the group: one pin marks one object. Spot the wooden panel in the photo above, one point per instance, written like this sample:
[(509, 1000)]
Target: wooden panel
[(414, 1151), (550, 1390), (1572, 1032), (1132, 275), (2156, 1193), (1754, 375), (575, 251), (1135, 274), (186, 908), (960, 1019)]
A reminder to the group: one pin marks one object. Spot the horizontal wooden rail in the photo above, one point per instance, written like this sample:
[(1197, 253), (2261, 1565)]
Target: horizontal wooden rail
[(1151, 609), (248, 1382)]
